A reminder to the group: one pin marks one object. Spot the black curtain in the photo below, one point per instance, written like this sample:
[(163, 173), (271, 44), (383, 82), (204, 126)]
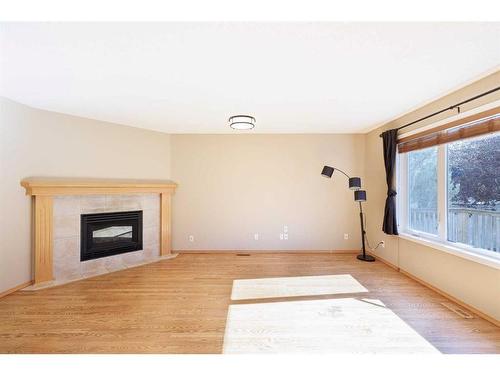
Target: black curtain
[(390, 225)]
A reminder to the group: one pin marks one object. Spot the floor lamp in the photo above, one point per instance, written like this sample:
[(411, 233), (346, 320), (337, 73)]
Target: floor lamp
[(359, 196)]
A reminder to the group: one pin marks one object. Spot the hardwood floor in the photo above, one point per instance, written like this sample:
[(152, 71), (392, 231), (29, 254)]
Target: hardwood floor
[(181, 306)]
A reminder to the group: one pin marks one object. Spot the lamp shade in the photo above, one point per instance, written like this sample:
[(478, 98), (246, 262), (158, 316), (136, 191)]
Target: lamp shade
[(327, 171), (354, 183), (360, 195)]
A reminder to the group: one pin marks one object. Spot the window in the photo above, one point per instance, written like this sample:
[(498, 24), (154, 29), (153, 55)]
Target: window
[(474, 192), (449, 186), (422, 190)]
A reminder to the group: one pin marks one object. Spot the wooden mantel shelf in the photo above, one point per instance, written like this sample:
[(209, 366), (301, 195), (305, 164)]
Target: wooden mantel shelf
[(70, 186), (42, 191)]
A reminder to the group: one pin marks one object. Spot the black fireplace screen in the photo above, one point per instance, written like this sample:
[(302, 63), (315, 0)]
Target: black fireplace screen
[(110, 233)]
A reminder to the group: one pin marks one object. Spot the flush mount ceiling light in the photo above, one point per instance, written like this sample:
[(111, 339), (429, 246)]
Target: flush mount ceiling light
[(242, 122)]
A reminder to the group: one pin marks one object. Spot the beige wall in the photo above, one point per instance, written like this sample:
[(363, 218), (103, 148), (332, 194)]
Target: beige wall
[(233, 186), (41, 143), (468, 281)]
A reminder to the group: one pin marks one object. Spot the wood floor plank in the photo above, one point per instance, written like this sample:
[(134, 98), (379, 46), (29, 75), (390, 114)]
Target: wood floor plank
[(181, 306)]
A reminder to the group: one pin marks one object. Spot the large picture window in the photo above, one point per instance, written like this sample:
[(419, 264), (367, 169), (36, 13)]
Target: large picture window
[(449, 187), (473, 189), (422, 190)]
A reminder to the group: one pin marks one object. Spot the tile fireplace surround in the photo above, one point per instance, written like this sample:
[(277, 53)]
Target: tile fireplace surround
[(57, 206)]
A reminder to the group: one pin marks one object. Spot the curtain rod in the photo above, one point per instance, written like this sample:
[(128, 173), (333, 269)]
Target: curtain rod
[(457, 105)]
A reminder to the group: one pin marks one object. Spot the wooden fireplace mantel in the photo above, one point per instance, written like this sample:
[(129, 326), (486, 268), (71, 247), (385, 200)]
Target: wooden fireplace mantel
[(69, 186), (43, 189)]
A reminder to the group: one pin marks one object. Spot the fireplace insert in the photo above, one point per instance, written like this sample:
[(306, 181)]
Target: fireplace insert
[(110, 233)]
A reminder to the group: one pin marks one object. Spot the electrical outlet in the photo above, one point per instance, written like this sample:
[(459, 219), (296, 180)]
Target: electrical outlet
[(346, 236), (285, 229), (281, 236), (285, 236), (382, 244), (191, 238), (256, 236)]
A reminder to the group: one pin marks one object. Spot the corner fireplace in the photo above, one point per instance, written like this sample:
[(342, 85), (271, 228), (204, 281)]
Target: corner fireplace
[(110, 233)]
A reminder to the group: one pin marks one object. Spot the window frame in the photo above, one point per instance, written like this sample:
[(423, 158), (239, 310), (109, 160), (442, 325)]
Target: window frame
[(441, 239)]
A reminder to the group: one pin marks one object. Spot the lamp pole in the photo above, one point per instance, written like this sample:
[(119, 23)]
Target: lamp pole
[(364, 256)]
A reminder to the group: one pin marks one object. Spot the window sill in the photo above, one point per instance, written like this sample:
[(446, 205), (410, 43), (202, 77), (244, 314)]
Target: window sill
[(454, 250)]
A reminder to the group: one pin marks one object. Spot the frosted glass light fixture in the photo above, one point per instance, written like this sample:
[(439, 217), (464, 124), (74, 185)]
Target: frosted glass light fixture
[(242, 122)]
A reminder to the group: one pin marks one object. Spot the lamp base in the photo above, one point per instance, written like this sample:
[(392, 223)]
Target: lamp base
[(366, 258)]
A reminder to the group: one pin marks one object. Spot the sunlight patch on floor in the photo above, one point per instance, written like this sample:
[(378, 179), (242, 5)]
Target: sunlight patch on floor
[(345, 325), (295, 286)]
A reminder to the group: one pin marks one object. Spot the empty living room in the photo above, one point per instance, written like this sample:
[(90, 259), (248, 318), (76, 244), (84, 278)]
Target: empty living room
[(224, 183)]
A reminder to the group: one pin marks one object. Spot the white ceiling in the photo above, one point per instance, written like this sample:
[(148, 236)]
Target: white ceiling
[(190, 77)]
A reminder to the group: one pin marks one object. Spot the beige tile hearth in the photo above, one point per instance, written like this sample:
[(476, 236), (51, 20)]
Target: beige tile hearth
[(66, 245), (151, 237), (64, 206), (97, 271), (149, 253), (67, 258), (150, 201), (67, 225), (115, 263), (92, 203), (123, 202), (93, 267), (151, 219)]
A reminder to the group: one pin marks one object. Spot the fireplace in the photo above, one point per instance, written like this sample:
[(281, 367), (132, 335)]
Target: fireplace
[(110, 233)]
